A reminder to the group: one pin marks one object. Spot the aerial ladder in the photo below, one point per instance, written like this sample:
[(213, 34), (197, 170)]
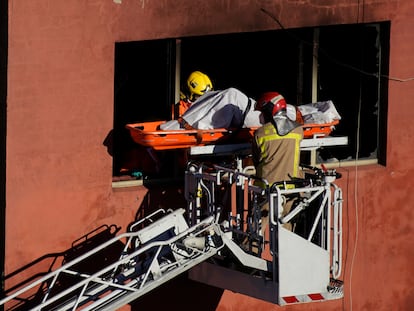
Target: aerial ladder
[(218, 239)]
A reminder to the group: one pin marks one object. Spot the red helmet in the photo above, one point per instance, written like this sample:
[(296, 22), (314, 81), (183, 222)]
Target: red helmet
[(271, 101)]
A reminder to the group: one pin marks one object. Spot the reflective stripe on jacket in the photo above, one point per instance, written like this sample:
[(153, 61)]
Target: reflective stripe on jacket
[(277, 157)]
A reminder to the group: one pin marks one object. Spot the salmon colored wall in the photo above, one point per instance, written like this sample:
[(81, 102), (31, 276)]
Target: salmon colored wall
[(60, 109)]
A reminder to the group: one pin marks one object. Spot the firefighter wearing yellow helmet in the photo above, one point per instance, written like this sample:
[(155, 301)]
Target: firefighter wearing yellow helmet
[(198, 83)]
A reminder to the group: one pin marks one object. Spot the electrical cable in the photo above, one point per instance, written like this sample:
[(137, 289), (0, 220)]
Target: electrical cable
[(332, 59), (348, 230), (356, 196)]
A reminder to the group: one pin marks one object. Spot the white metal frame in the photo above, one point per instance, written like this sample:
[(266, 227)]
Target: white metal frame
[(121, 282), (172, 244)]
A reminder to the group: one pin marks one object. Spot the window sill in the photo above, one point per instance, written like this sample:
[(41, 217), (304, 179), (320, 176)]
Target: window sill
[(118, 183), (127, 183), (349, 163)]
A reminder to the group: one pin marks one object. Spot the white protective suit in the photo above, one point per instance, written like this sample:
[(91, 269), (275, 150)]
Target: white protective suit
[(319, 112), (219, 109)]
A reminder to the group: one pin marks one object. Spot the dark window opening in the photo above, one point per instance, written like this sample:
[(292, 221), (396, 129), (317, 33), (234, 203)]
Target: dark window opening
[(253, 62), (352, 61), (144, 81)]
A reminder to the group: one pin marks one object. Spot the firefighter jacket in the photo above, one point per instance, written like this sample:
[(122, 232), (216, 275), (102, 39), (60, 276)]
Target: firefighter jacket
[(277, 157)]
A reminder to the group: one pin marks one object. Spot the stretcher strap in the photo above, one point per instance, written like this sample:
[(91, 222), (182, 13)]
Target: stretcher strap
[(249, 104), (184, 124)]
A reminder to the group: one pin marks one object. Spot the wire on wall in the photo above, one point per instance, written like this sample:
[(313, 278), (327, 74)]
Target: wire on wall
[(333, 59)]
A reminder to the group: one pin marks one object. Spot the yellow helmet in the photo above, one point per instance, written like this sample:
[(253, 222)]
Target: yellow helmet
[(198, 83)]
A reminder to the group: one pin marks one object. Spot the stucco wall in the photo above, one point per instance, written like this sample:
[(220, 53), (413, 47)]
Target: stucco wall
[(60, 109)]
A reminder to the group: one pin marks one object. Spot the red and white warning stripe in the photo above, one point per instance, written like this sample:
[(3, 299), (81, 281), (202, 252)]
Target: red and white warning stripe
[(311, 297), (302, 298)]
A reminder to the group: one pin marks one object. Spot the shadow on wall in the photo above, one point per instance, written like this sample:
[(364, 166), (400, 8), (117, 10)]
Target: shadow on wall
[(50, 262), (179, 293), (130, 158)]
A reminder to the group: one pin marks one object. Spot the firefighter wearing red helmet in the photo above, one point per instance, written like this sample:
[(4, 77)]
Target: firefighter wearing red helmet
[(276, 145)]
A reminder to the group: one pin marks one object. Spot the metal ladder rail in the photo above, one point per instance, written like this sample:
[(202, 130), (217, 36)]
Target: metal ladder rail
[(94, 279), (120, 294), (51, 277), (123, 254), (147, 218), (130, 287), (119, 298), (66, 269)]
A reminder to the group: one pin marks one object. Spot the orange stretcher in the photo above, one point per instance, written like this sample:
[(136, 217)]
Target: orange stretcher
[(314, 130), (148, 134)]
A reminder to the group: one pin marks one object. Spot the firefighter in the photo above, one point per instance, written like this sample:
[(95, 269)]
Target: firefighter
[(276, 146), (198, 83)]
